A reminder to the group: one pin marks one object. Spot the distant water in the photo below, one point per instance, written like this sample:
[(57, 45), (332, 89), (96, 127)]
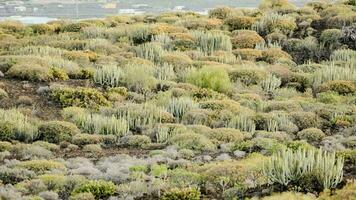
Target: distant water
[(29, 19)]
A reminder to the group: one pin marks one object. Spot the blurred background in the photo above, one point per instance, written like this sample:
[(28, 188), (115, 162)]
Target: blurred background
[(40, 11)]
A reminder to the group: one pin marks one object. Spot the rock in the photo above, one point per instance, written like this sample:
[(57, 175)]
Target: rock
[(207, 158), (1, 74), (225, 148), (223, 157), (239, 154)]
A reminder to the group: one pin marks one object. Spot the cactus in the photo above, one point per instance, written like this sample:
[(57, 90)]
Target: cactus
[(109, 75), (288, 166), (179, 106), (271, 83), (242, 123), (210, 42)]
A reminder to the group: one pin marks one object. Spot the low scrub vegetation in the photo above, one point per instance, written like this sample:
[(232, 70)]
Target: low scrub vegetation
[(237, 104)]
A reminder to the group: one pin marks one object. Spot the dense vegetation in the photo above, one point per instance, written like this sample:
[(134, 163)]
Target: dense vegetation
[(237, 104)]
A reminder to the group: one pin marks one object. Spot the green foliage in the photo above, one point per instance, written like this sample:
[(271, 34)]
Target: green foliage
[(271, 83), (246, 39), (212, 78), (80, 96), (192, 141), (150, 51), (339, 86), (100, 189), (57, 131), (41, 166), (182, 194), (179, 106), (311, 135), (290, 167)]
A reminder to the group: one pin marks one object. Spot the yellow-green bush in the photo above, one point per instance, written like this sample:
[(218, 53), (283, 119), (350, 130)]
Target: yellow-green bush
[(192, 141), (183, 194), (100, 189), (41, 166), (341, 87), (311, 135), (82, 97), (57, 131), (211, 78), (272, 55)]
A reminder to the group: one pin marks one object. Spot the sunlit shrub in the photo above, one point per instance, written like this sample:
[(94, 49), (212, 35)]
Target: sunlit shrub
[(221, 12), (239, 22), (311, 135), (248, 54), (340, 87), (271, 22), (41, 166), (273, 55), (140, 141), (305, 120), (212, 78), (184, 194), (192, 141), (57, 131), (85, 139), (82, 97), (100, 189), (246, 39)]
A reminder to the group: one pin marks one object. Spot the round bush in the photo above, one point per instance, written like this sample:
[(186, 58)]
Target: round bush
[(311, 135), (182, 194), (57, 131), (99, 188), (339, 86), (136, 140), (246, 39)]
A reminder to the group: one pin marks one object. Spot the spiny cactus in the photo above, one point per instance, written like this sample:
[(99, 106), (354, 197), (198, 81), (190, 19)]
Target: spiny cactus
[(210, 42), (242, 123)]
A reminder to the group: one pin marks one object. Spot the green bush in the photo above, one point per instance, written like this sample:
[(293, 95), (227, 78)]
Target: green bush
[(82, 196), (192, 141), (85, 139), (57, 131), (136, 140), (41, 166), (248, 75), (182, 194), (248, 54), (80, 96), (211, 78), (239, 22), (305, 120), (100, 189), (311, 135), (3, 94), (340, 86), (272, 55), (36, 72)]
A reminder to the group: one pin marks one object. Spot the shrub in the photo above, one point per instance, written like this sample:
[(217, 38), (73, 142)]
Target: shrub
[(311, 135), (182, 194), (271, 22), (85, 139), (15, 175), (347, 192), (192, 141), (225, 135), (271, 83), (340, 87), (41, 166), (246, 39), (57, 131), (289, 196), (248, 54), (221, 12), (219, 105), (239, 22), (330, 38), (36, 72), (82, 97), (272, 55), (136, 140), (82, 196), (248, 75), (212, 78), (100, 189), (305, 120), (53, 182), (179, 106), (300, 166)]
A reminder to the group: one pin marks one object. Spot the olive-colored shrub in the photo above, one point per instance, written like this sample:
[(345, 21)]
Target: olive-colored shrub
[(248, 54), (85, 139), (305, 120), (100, 189), (82, 97), (311, 135), (221, 12), (341, 87), (192, 141), (248, 75), (183, 194), (82, 196), (41, 166), (246, 39), (272, 55), (239, 22), (57, 131), (136, 140)]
